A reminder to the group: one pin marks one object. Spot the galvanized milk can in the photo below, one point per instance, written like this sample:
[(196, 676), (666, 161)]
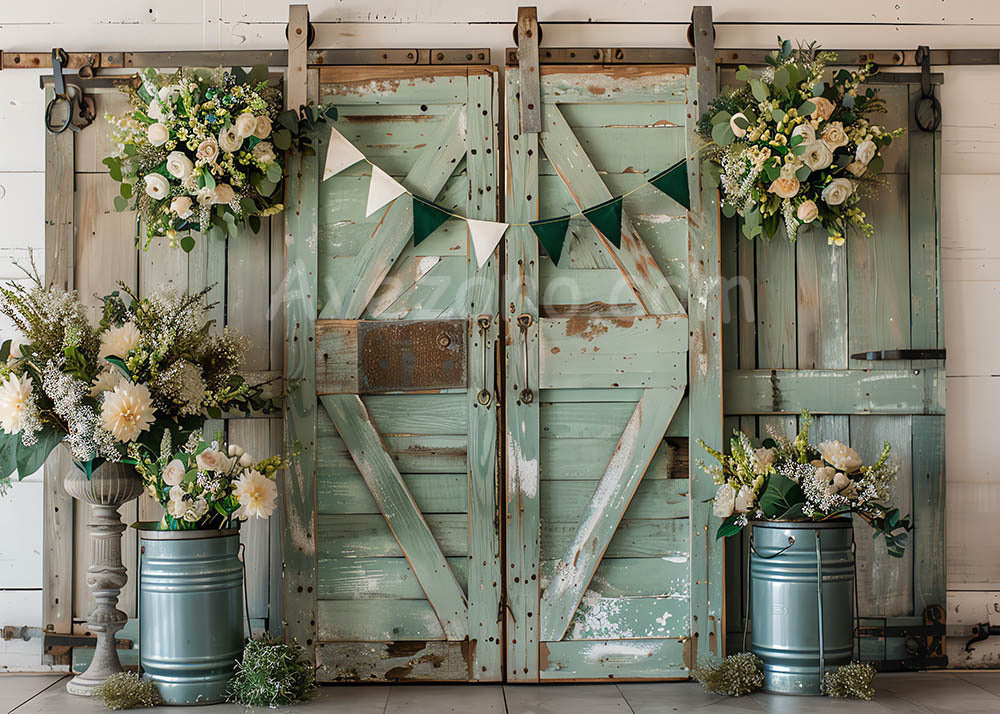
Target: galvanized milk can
[(801, 574), (190, 612)]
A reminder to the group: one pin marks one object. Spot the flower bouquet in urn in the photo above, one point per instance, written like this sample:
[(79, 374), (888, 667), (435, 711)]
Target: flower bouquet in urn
[(794, 480)]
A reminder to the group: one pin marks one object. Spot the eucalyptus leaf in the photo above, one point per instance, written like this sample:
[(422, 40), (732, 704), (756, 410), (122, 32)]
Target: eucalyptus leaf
[(803, 173), (5, 350), (848, 101), (282, 139), (875, 166), (187, 244), (266, 187), (721, 117), (778, 115), (8, 453), (710, 173), (741, 122), (273, 173), (780, 78), (780, 496), (760, 92), (114, 165), (728, 210), (728, 528), (125, 190), (209, 178), (31, 458), (743, 73), (121, 203), (806, 108), (722, 134)]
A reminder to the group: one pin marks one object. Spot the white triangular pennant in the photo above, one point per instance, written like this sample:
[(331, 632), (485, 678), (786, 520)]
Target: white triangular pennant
[(340, 154), (381, 190), (485, 236)]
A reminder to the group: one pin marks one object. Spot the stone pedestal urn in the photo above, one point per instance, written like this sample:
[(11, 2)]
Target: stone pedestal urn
[(110, 486)]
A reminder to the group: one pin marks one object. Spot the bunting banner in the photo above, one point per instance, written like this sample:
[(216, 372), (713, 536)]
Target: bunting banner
[(551, 234), (427, 218), (484, 236), (340, 154), (382, 189), (607, 218), (674, 183)]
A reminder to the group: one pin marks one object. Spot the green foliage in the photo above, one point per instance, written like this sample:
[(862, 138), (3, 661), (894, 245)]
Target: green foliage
[(271, 674), (852, 681), (735, 676), (128, 690)]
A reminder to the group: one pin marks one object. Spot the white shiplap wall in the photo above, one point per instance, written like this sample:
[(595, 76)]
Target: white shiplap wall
[(971, 164)]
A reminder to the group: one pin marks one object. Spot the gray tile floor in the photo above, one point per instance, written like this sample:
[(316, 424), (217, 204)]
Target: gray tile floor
[(924, 693)]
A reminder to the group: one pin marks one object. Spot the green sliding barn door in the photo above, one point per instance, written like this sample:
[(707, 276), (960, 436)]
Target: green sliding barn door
[(408, 562), (800, 314), (610, 571)]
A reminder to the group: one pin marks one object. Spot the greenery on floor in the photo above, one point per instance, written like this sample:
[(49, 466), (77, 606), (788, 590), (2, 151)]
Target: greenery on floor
[(735, 676), (128, 690), (852, 681), (271, 674)]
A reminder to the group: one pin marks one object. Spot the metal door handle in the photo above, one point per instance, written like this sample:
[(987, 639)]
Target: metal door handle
[(524, 321), (879, 355), (484, 397)]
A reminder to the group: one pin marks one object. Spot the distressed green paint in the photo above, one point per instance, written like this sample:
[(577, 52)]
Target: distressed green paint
[(377, 578), (930, 582), (615, 659)]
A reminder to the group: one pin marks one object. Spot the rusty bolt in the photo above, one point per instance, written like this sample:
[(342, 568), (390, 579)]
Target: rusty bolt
[(444, 340)]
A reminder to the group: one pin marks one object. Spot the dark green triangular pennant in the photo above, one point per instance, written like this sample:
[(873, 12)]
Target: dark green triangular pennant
[(551, 234), (674, 183), (607, 218), (426, 218)]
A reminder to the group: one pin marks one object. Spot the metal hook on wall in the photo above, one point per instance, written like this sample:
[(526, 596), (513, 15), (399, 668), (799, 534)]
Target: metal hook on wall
[(79, 110), (927, 110)]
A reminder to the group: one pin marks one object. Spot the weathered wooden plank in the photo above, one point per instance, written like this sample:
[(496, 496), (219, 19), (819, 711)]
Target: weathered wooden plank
[(658, 659), (393, 661), (299, 481), (433, 493), (337, 356), (521, 416), (568, 501), (641, 538), (821, 295), (403, 277), (776, 316), (895, 391), (420, 454), (567, 416), (630, 618), (704, 367), (368, 536), (395, 85), (398, 414), (646, 84), (427, 177), (635, 577), (585, 185), (610, 499), (586, 459), (400, 511), (377, 621), (377, 578), (929, 561)]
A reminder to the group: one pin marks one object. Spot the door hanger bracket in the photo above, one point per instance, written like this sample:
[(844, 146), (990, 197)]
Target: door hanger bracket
[(927, 110), (78, 110), (527, 35)]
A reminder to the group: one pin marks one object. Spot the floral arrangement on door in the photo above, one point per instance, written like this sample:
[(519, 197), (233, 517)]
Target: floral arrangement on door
[(205, 150), (795, 145)]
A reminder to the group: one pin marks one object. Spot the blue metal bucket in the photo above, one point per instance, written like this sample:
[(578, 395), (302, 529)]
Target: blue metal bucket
[(786, 600), (190, 612)]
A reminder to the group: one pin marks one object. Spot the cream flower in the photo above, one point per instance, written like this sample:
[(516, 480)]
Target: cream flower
[(181, 205), (824, 108), (825, 476), (807, 133), (837, 191), (246, 124), (15, 349), (834, 135), (785, 187), (744, 500), (763, 459), (224, 193), (836, 239), (866, 151), (176, 506), (236, 451), (127, 411), (179, 165), (818, 156), (262, 130), (119, 341), (843, 457), (808, 211), (174, 472), (158, 134), (206, 196), (213, 460), (196, 510), (256, 494), (170, 92), (264, 152), (157, 186), (856, 168), (155, 110), (105, 381), (208, 151), (16, 403), (230, 140), (738, 131), (246, 460), (725, 501), (190, 182)]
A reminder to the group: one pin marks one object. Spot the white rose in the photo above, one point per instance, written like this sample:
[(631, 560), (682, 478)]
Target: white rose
[(235, 450), (264, 152), (785, 187), (262, 130), (744, 500), (818, 156), (208, 150), (158, 134), (230, 140), (739, 132), (190, 183), (173, 474), (181, 205), (789, 170), (856, 168), (246, 460), (725, 501), (843, 457), (196, 510), (246, 124), (171, 91), (837, 191), (224, 193), (834, 135), (824, 108), (206, 196), (808, 211), (807, 133), (866, 151), (212, 460), (157, 186), (825, 476), (179, 165), (155, 111)]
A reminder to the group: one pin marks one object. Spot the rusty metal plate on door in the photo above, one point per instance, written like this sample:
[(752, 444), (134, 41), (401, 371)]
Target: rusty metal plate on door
[(412, 355)]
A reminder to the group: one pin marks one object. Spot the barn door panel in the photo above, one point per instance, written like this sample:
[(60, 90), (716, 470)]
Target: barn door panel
[(800, 314), (600, 532), (407, 546)]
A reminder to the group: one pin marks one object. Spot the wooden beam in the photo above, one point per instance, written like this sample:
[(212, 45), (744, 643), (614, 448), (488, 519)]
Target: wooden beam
[(611, 497), (585, 185), (603, 660), (530, 115), (427, 177), (838, 391), (400, 511)]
